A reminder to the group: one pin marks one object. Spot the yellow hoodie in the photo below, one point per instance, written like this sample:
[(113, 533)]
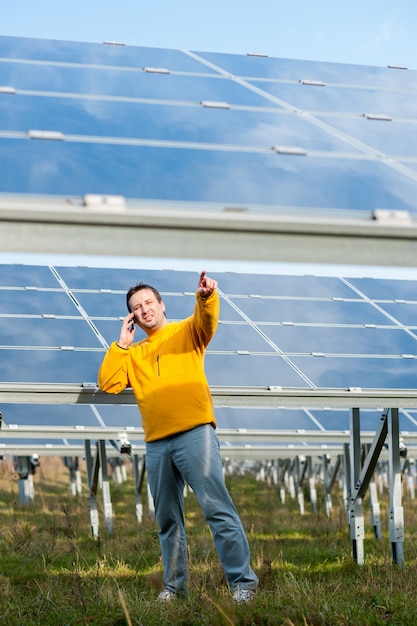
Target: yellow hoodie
[(166, 373)]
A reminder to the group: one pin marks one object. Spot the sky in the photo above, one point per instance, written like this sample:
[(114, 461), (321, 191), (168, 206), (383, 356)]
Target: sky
[(364, 32)]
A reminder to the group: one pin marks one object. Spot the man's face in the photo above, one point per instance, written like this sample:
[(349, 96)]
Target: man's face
[(149, 313)]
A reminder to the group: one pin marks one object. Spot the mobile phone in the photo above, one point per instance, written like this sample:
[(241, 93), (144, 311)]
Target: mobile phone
[(132, 324)]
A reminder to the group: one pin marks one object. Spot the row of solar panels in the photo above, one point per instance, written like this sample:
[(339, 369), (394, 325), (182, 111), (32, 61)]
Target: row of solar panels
[(229, 130), (251, 65), (292, 331)]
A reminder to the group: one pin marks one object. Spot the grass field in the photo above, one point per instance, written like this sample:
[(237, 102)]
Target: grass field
[(54, 573)]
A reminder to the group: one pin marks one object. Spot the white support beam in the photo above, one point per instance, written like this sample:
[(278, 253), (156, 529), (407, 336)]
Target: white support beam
[(238, 452), (327, 441), (181, 230), (49, 393)]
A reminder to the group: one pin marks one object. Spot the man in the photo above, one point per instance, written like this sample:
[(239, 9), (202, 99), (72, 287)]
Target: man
[(166, 373)]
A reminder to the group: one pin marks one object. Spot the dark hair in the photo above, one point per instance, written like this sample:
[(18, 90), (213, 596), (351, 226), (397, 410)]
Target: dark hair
[(139, 287)]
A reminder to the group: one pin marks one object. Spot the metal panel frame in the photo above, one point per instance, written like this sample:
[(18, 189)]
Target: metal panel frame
[(50, 225), (272, 397)]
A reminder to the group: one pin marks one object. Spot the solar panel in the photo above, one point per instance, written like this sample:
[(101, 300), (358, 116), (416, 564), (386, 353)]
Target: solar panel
[(53, 364), (295, 331), (333, 97), (263, 134), (295, 69), (85, 53), (386, 290), (27, 276), (199, 175), (155, 121)]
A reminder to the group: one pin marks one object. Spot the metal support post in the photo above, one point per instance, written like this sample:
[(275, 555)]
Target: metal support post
[(116, 471), (274, 474), (24, 468), (261, 473), (389, 426), (408, 474), (356, 519), (374, 503), (396, 513), (73, 465), (291, 481), (138, 475), (347, 479), (375, 509), (300, 468), (139, 469), (151, 504), (107, 505), (311, 484), (123, 471), (283, 469), (327, 485), (329, 477), (92, 475), (335, 471)]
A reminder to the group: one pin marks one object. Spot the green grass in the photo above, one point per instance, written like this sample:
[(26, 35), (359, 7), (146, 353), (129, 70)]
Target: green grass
[(54, 573)]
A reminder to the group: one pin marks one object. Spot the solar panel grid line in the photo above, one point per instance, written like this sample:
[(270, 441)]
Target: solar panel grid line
[(271, 343), (360, 293), (80, 308), (314, 420), (384, 312), (122, 141), (119, 68), (279, 298), (412, 418), (50, 63), (384, 86), (167, 102), (115, 98), (324, 325), (345, 137), (155, 143), (365, 90), (98, 416)]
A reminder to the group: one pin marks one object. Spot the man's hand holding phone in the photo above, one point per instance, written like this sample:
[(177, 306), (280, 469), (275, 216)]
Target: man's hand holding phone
[(127, 332)]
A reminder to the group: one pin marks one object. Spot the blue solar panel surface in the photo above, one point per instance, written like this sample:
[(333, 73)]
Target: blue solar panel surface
[(306, 332), (198, 127)]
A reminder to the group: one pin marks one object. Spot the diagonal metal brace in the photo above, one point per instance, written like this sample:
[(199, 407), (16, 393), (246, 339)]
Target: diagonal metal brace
[(371, 459)]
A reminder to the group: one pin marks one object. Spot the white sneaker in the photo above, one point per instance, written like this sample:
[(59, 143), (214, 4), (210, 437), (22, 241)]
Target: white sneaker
[(243, 596), (166, 596)]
